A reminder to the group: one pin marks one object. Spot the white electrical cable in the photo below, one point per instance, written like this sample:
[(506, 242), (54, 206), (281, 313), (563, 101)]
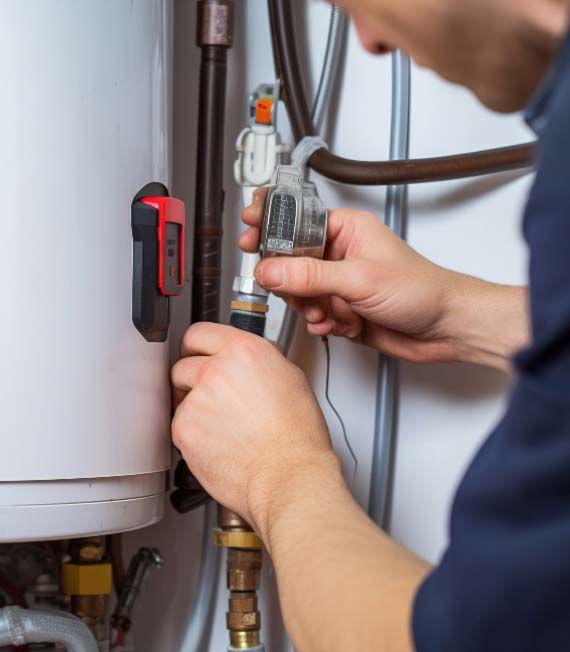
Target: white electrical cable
[(387, 384), (334, 57)]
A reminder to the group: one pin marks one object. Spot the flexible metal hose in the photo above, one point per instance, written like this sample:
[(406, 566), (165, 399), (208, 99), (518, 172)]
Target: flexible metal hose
[(372, 172), (21, 626), (332, 60), (387, 383), (334, 56)]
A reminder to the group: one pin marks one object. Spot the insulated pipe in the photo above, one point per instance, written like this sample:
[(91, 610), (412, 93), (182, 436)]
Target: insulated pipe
[(334, 55), (373, 172), (387, 383), (21, 626)]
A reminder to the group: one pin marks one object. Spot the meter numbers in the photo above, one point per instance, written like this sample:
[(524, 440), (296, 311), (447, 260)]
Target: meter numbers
[(281, 223)]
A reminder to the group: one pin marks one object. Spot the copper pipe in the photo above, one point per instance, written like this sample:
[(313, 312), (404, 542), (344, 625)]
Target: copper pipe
[(371, 173), (214, 35), (114, 543)]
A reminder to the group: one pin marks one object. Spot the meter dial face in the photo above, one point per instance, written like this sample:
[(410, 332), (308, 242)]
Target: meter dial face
[(281, 222)]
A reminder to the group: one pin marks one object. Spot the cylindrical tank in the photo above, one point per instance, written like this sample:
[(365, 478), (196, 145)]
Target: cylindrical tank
[(84, 399)]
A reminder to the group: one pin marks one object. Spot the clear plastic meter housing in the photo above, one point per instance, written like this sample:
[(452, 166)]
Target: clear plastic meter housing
[(294, 217)]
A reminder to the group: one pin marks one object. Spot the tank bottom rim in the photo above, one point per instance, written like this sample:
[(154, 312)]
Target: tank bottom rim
[(79, 518)]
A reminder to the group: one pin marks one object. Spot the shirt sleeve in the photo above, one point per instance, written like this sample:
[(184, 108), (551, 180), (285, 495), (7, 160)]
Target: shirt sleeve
[(504, 582)]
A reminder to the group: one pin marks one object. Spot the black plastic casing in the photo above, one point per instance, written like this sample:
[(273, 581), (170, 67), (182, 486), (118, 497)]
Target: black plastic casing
[(151, 309)]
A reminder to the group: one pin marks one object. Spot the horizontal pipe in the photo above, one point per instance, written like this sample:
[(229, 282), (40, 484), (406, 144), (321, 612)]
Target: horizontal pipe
[(444, 168), (369, 173)]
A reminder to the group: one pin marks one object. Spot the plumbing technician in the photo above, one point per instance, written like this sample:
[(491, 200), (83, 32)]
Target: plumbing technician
[(253, 434)]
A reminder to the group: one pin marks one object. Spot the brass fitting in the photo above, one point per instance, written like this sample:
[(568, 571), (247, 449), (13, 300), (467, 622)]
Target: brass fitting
[(215, 23), (243, 578), (88, 579), (244, 640), (233, 539)]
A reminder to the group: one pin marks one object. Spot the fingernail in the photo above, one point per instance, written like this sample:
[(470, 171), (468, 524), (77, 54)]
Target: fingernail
[(270, 275)]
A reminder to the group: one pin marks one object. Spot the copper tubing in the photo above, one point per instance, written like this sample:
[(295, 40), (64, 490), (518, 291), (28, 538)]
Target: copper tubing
[(372, 173), (114, 543), (214, 36)]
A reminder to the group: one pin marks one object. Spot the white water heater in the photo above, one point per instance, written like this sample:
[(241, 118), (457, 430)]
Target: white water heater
[(84, 398)]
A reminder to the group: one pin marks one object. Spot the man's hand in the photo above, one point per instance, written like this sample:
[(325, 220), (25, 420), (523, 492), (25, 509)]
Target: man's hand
[(249, 422), (250, 429), (374, 288)]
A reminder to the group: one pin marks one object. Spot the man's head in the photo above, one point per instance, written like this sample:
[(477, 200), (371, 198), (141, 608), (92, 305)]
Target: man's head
[(500, 49)]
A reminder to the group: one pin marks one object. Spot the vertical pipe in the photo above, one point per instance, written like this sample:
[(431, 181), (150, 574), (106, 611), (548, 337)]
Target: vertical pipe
[(387, 386), (214, 37)]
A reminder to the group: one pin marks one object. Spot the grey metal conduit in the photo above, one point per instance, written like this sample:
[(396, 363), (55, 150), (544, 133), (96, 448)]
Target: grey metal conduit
[(334, 55), (21, 626), (205, 593), (387, 384)]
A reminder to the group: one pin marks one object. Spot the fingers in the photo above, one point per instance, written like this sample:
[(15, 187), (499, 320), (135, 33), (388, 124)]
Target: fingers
[(184, 374), (253, 214), (249, 240), (206, 339), (309, 277)]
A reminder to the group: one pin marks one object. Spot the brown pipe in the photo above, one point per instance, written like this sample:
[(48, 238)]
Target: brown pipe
[(114, 543), (214, 36), (372, 173)]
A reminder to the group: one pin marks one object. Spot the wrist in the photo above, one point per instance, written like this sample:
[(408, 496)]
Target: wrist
[(275, 490), (485, 323)]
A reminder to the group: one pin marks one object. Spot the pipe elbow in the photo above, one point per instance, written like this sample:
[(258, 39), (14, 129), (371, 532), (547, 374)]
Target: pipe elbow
[(20, 626)]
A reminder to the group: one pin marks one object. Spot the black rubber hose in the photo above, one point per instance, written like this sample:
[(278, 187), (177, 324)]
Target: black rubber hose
[(372, 173)]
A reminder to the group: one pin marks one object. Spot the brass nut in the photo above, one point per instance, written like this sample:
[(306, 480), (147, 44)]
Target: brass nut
[(91, 552), (243, 602), (237, 539), (244, 559), (239, 580), (249, 306), (244, 640), (250, 620), (87, 579)]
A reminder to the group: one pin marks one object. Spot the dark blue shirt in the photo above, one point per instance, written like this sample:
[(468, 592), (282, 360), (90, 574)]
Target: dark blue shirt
[(503, 584)]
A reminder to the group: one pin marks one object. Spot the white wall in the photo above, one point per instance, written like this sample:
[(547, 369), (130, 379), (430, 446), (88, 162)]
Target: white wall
[(471, 226)]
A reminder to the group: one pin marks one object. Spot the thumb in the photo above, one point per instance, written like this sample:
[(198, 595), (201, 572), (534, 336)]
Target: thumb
[(309, 277)]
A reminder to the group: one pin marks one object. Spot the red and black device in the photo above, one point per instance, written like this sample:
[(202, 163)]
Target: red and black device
[(158, 224)]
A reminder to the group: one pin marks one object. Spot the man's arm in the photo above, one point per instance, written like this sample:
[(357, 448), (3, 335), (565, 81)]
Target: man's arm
[(343, 583), (489, 322), (252, 432), (375, 289)]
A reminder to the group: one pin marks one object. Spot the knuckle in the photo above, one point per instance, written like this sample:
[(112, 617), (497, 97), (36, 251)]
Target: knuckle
[(246, 346), (208, 373), (179, 430), (309, 273)]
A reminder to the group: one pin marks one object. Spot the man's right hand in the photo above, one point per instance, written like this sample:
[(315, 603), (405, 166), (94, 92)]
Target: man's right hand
[(374, 288)]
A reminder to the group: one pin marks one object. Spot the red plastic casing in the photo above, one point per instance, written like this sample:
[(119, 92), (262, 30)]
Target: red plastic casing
[(171, 210)]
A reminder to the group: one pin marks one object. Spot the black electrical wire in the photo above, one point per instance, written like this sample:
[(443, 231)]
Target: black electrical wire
[(325, 341)]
